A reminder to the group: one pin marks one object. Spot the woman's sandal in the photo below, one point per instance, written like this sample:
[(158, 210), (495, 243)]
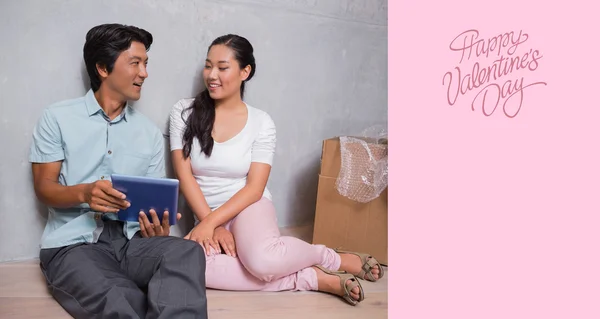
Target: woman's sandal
[(344, 277), (368, 263)]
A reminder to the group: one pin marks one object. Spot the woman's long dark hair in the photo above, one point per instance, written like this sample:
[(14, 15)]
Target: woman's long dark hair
[(200, 122)]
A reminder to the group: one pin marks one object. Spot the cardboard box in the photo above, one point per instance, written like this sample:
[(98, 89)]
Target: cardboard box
[(343, 223)]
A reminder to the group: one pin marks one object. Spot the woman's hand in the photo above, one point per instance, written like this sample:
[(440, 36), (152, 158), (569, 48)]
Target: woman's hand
[(203, 234), (224, 238)]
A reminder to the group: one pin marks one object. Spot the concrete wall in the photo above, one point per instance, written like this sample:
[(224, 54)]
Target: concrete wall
[(321, 72)]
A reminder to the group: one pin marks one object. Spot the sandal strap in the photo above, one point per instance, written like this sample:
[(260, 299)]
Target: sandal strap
[(353, 284), (369, 264), (349, 286)]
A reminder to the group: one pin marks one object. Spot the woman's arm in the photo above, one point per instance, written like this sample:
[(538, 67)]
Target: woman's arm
[(195, 200), (182, 166), (188, 186), (248, 195)]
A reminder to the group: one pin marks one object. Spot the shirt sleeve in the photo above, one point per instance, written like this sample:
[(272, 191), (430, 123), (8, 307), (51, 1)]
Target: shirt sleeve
[(176, 126), (263, 148), (157, 162), (47, 140)]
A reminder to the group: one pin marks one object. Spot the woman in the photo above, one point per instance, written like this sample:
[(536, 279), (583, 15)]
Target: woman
[(222, 150)]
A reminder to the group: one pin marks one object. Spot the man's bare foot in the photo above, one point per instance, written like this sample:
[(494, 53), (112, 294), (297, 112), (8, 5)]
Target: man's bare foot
[(331, 284), (352, 264)]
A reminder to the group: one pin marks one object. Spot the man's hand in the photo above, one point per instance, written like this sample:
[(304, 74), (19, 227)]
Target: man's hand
[(155, 228), (102, 197), (225, 238)]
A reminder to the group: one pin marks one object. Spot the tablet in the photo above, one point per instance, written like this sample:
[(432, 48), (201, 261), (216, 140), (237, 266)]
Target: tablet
[(145, 193)]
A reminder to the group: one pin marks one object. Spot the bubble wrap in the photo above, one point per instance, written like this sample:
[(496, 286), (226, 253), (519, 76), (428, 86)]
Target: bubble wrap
[(364, 170)]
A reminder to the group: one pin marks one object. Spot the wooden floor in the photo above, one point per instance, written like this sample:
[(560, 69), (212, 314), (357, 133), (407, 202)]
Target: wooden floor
[(23, 295)]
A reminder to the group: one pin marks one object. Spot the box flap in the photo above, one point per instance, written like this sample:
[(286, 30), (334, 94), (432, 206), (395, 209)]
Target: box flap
[(331, 160)]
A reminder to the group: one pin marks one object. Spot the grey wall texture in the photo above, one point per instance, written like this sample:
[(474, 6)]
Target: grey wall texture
[(321, 72)]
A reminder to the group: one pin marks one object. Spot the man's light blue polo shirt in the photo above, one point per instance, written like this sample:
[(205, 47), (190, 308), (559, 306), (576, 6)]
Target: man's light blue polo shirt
[(92, 147)]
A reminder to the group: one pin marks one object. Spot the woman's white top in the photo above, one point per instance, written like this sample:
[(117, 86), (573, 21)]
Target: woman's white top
[(224, 173)]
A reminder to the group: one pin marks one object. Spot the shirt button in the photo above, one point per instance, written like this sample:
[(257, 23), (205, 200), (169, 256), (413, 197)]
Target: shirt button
[(109, 152)]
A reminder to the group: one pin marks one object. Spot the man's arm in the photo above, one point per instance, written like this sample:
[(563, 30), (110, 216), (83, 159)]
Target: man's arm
[(99, 195), (47, 156), (49, 191), (157, 162)]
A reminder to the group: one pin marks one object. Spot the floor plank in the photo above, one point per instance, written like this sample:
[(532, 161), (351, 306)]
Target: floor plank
[(31, 308)]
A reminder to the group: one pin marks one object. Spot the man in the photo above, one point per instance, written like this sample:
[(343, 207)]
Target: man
[(95, 265)]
